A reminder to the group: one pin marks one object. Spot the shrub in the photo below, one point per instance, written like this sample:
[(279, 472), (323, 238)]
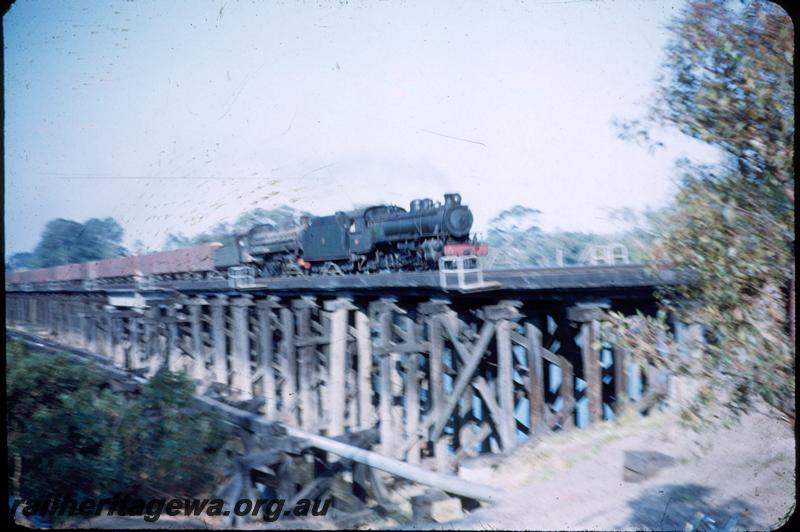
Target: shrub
[(68, 433)]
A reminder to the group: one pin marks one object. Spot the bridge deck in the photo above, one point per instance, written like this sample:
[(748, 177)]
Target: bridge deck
[(620, 279)]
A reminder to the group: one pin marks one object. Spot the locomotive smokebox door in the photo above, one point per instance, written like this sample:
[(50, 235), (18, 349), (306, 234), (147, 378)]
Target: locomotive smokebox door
[(327, 238), (458, 221)]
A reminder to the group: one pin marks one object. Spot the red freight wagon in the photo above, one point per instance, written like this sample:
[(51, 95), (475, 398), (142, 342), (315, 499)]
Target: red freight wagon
[(75, 272), (59, 273), (40, 275), (68, 272), (19, 277), (119, 267), (194, 259)]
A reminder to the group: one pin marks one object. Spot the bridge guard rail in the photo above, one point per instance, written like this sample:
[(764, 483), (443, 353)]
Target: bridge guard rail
[(468, 273)]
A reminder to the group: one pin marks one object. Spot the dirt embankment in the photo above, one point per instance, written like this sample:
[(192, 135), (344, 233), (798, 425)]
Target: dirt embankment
[(646, 474)]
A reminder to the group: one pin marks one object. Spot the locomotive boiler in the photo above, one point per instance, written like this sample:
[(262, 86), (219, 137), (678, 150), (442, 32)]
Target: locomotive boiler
[(376, 238)]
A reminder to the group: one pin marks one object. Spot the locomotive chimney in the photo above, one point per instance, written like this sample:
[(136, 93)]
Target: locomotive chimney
[(452, 199)]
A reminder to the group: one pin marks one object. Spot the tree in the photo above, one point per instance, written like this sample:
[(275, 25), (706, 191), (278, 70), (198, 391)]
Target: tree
[(69, 434), (516, 236), (161, 426), (19, 261), (642, 231), (56, 421), (67, 241), (517, 240), (728, 80), (139, 248)]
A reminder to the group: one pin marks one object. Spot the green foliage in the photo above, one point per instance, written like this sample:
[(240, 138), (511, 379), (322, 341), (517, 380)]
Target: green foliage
[(72, 435), (139, 248), (67, 241), (280, 217), (742, 255), (57, 413), (642, 233), (162, 447), (19, 261), (728, 80), (517, 238), (515, 233)]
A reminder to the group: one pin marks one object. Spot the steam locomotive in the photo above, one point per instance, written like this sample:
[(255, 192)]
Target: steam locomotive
[(376, 238)]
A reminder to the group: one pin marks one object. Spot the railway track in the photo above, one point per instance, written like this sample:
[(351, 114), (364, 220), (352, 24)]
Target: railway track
[(619, 280)]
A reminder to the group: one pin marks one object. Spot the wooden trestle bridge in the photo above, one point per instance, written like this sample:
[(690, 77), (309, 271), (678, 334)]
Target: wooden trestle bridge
[(386, 362)]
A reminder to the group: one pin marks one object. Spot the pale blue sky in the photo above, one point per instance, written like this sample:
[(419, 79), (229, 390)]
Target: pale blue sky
[(320, 105)]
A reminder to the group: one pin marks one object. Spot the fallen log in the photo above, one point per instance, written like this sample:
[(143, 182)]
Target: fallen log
[(447, 483)]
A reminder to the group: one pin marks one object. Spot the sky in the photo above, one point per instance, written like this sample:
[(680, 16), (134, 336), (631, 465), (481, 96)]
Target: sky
[(172, 116)]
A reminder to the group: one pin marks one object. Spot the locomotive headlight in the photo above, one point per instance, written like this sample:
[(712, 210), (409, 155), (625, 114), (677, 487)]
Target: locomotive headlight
[(458, 221)]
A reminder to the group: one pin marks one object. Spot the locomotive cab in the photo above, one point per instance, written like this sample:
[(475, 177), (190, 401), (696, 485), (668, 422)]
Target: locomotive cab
[(360, 237)]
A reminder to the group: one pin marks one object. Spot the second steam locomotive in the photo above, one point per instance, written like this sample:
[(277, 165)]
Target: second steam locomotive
[(372, 239)]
